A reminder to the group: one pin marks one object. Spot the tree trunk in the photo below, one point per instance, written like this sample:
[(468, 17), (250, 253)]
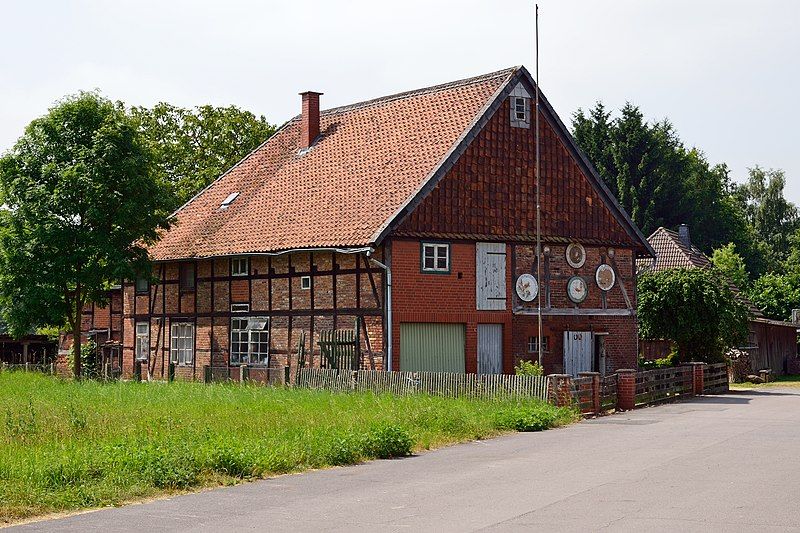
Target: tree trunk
[(76, 334)]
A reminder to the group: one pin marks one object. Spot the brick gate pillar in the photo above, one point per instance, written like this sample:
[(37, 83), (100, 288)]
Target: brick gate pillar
[(626, 389), (560, 392), (697, 377)]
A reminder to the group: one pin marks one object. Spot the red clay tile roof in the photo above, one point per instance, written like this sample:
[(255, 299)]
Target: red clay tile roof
[(370, 160)]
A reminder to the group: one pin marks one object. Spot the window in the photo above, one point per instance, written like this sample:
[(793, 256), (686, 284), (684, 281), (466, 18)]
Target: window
[(435, 257), (142, 341), (187, 276), (229, 200), (250, 340), (520, 111), (142, 285), (533, 344), (240, 308), (182, 343), (305, 283), (240, 266)]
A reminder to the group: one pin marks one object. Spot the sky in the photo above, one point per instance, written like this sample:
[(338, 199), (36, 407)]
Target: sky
[(725, 72)]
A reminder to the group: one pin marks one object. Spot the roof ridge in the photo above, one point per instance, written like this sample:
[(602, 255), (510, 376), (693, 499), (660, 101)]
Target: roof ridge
[(415, 92)]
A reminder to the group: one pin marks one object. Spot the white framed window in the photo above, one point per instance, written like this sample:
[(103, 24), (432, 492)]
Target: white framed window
[(520, 109), (240, 266), (250, 340), (435, 257), (533, 344), (142, 341), (182, 343), (240, 308), (305, 282)]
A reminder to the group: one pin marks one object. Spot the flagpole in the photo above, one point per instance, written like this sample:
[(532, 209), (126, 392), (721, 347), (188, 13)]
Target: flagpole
[(538, 203)]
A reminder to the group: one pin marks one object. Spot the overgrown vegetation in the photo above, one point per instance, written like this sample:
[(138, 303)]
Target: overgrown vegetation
[(693, 307), (72, 445), (528, 368)]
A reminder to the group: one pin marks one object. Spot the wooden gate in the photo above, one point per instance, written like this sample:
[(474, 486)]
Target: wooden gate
[(577, 352), (490, 348), (340, 348)]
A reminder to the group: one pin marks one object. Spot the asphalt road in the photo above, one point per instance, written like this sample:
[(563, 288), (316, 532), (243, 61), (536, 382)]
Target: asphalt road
[(724, 463)]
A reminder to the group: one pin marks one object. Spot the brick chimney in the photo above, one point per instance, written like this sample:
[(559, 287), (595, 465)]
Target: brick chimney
[(309, 126), (683, 233)]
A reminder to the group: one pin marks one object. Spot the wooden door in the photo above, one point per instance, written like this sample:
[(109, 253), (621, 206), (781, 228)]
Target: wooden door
[(490, 276), (577, 352), (490, 348)]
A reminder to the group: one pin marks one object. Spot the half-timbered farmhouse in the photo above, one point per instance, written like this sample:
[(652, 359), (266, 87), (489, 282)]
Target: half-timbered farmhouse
[(409, 221)]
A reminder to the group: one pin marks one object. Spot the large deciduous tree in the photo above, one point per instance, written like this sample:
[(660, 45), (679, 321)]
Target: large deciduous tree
[(81, 205), (695, 308), (193, 147)]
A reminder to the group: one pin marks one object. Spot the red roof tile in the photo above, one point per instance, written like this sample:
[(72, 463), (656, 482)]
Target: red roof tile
[(371, 158)]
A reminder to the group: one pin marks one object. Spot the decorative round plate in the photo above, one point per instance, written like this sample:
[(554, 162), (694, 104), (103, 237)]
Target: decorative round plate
[(577, 290), (576, 255), (527, 287), (605, 277)]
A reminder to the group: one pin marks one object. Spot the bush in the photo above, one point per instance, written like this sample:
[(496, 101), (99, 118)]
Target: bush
[(388, 441), (528, 368), (528, 419)]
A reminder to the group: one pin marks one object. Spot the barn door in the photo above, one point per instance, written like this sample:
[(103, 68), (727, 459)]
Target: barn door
[(490, 348), (577, 352), (490, 276)]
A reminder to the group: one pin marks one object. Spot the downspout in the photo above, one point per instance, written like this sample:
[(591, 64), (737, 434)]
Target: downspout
[(388, 270)]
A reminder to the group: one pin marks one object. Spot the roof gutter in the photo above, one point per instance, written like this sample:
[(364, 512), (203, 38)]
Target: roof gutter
[(358, 250)]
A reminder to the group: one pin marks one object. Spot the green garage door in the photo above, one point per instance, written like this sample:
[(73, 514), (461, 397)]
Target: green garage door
[(432, 347)]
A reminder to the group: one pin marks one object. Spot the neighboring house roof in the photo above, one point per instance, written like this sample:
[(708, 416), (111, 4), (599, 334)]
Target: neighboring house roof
[(372, 164), (673, 252)]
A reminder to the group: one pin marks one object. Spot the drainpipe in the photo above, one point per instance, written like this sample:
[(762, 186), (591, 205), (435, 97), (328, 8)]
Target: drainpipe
[(388, 270)]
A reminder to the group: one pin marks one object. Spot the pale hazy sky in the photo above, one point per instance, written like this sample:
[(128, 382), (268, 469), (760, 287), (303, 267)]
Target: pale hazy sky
[(724, 72)]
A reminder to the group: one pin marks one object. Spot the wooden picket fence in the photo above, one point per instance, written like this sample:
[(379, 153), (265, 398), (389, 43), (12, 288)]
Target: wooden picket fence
[(436, 383), (662, 384), (715, 379), (46, 368)]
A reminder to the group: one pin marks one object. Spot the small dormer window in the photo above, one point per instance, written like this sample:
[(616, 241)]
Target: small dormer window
[(229, 200), (520, 112)]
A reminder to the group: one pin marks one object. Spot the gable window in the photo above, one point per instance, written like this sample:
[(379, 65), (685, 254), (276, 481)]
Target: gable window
[(240, 266), (142, 341), (435, 257), (250, 340), (187, 276), (182, 343), (533, 344), (520, 112), (305, 282), (142, 285)]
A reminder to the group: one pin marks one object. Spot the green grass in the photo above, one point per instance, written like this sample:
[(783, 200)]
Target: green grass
[(66, 446), (792, 381)]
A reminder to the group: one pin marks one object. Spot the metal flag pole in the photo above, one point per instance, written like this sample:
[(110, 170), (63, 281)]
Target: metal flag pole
[(538, 204)]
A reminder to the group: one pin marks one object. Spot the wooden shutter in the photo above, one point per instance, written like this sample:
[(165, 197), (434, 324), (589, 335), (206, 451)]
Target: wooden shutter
[(490, 276)]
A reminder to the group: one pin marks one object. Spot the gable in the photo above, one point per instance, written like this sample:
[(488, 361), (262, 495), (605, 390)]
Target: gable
[(490, 190)]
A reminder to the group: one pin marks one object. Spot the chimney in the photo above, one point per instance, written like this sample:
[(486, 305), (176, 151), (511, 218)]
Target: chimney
[(309, 127), (683, 233)]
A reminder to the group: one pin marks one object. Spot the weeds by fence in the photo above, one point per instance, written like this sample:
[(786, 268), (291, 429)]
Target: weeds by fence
[(436, 383), (48, 368)]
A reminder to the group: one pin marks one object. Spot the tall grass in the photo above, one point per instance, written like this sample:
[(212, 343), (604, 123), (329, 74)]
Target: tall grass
[(67, 445)]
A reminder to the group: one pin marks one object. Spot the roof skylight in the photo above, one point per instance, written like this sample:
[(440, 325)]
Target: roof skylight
[(229, 200)]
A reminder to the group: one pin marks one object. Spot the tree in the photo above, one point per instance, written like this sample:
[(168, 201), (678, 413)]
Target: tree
[(693, 307), (731, 264), (82, 205), (193, 147), (777, 294)]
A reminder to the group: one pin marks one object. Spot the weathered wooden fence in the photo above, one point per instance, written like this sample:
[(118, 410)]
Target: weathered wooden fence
[(437, 383), (663, 384), (245, 373), (715, 379), (582, 393), (608, 392)]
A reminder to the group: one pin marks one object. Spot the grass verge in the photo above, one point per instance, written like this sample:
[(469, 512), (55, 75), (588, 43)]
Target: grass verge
[(791, 381), (67, 446)]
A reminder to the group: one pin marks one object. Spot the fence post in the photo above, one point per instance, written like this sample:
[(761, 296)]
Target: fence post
[(595, 388), (697, 377), (626, 389), (560, 389), (286, 375), (353, 379), (244, 374), (137, 371), (206, 373)]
